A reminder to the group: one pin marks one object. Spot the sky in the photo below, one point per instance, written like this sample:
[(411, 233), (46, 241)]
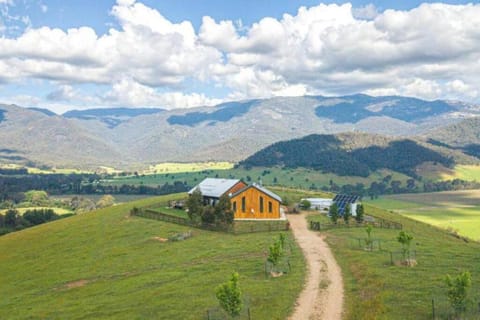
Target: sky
[(81, 54)]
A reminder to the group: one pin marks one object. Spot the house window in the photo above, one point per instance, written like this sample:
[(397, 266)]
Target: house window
[(261, 204), (270, 209), (234, 206), (243, 204)]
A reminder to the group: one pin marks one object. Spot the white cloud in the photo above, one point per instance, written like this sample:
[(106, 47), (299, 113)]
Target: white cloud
[(127, 92), (367, 12), (432, 51)]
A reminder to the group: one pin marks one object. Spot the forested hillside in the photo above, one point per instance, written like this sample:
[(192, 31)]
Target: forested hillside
[(338, 154)]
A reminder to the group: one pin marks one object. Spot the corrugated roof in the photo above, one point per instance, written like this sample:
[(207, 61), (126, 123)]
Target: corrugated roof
[(213, 187), (262, 189)]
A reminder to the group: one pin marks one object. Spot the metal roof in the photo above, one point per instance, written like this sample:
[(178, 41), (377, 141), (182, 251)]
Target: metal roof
[(262, 189), (213, 187)]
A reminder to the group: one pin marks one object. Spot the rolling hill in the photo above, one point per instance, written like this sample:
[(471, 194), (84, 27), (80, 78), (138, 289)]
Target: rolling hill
[(230, 131), (108, 265), (354, 154)]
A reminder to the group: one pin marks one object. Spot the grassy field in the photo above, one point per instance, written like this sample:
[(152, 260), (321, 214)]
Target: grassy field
[(176, 167), (295, 178), (108, 265), (436, 172), (375, 289), (458, 211)]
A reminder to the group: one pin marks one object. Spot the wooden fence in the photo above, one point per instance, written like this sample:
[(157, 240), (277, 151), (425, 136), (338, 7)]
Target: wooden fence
[(238, 227)]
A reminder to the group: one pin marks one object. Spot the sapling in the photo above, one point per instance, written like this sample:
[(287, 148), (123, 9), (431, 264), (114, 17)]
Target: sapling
[(368, 240), (405, 239), (457, 291), (229, 296)]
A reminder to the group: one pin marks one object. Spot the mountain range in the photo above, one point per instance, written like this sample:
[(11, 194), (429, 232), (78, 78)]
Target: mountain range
[(232, 131)]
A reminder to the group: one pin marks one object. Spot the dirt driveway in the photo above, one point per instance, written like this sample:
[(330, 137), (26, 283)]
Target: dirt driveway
[(322, 296)]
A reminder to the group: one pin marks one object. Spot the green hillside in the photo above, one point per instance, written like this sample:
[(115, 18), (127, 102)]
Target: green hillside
[(108, 265), (352, 154), (375, 289)]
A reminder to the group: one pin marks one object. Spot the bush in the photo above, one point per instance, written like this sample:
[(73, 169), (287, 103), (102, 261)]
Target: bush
[(229, 296), (457, 291)]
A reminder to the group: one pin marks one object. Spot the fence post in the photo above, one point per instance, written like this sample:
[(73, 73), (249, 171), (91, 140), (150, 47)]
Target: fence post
[(433, 309), (391, 258), (248, 310), (208, 315)]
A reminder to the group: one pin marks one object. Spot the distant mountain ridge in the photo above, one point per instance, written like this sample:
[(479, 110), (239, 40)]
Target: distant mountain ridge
[(230, 131), (112, 117)]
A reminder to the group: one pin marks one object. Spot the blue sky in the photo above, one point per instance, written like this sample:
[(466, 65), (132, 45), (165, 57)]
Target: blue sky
[(76, 54)]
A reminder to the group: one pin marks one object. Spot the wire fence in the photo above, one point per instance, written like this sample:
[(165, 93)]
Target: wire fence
[(441, 308), (376, 223)]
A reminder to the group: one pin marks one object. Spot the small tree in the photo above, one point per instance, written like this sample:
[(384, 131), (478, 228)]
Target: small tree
[(229, 296), (305, 204), (334, 213), (457, 291), (368, 240), (405, 239), (360, 213), (223, 211), (347, 213), (195, 205), (275, 252), (106, 201)]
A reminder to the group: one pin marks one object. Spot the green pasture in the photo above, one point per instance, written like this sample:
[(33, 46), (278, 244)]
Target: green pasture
[(301, 178), (375, 289), (457, 211), (109, 265)]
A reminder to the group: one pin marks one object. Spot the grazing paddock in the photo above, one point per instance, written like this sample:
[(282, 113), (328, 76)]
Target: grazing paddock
[(457, 211), (107, 264)]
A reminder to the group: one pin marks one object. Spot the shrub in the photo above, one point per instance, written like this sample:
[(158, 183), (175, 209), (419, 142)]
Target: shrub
[(457, 291), (229, 296)]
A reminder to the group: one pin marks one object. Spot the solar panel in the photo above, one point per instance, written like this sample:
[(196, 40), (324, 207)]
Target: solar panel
[(342, 200)]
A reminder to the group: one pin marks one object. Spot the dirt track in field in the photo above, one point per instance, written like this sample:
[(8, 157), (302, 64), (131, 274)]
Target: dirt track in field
[(322, 296)]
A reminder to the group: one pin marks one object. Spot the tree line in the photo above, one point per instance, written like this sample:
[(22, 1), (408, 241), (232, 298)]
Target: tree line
[(12, 220)]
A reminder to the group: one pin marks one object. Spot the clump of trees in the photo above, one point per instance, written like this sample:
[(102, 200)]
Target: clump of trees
[(12, 220), (220, 214)]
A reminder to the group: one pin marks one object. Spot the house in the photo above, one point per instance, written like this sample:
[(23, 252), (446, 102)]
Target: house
[(255, 202), (319, 203), (248, 201), (341, 200), (212, 189)]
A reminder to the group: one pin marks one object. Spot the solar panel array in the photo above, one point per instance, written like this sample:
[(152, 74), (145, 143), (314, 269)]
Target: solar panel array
[(342, 200)]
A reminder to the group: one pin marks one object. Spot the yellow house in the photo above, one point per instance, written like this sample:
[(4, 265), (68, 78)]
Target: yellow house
[(255, 202)]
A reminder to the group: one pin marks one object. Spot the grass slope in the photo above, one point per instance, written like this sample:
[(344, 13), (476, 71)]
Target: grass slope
[(377, 290), (454, 210), (106, 265)]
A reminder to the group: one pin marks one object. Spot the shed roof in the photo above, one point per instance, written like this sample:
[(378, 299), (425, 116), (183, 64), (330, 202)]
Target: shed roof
[(213, 187), (262, 189)]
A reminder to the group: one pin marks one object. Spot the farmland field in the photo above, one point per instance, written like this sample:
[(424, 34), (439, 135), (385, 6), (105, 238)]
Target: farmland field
[(296, 178), (109, 265), (437, 172), (455, 210)]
